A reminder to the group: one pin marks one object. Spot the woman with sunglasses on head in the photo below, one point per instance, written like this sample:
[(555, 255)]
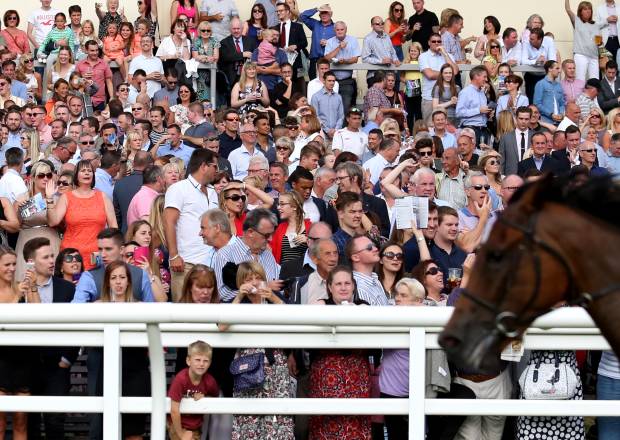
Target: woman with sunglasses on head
[(15, 39), (431, 277), (33, 220), (256, 24), (205, 49), (25, 73), (513, 99), (148, 11), (69, 265), (84, 210), (390, 268)]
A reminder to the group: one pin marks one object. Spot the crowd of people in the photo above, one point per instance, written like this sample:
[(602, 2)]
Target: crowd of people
[(122, 182)]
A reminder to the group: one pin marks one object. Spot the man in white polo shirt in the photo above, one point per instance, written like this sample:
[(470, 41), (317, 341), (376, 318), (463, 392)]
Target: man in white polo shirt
[(151, 65), (351, 138), (430, 63), (386, 157), (186, 201)]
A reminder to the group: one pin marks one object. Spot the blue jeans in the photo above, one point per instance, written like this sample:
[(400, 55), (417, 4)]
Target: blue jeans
[(608, 389)]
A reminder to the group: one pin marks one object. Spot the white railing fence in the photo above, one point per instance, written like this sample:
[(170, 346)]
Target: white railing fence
[(155, 326)]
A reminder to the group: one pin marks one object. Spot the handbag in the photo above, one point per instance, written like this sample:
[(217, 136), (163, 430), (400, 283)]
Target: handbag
[(249, 371), (555, 381)]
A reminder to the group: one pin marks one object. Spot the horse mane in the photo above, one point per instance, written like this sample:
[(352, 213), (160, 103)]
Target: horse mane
[(596, 196)]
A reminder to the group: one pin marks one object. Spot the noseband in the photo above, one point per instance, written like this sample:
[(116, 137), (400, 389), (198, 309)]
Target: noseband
[(532, 243)]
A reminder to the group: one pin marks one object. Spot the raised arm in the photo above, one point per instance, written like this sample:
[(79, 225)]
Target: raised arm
[(570, 13), (388, 181), (266, 199)]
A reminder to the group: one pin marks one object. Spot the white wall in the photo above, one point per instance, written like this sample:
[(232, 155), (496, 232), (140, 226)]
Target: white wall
[(357, 13)]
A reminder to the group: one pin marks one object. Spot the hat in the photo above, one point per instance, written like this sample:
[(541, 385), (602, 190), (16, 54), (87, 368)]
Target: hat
[(593, 82), (391, 131), (325, 8)]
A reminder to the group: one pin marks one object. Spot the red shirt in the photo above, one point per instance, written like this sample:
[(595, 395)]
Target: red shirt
[(182, 387), (101, 72)]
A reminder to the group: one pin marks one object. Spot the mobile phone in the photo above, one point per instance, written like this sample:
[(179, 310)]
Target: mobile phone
[(95, 259), (29, 265), (140, 254)]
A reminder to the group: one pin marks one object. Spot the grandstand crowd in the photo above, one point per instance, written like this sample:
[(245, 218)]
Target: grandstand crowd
[(123, 182)]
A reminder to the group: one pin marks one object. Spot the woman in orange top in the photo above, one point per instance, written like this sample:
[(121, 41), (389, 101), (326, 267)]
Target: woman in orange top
[(85, 211), (396, 27)]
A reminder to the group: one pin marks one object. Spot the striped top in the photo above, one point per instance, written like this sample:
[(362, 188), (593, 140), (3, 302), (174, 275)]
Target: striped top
[(238, 252), (609, 366), (369, 289), (291, 253), (57, 35)]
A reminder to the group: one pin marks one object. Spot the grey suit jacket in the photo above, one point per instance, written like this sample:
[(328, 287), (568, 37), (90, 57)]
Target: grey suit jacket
[(509, 149), (607, 98)]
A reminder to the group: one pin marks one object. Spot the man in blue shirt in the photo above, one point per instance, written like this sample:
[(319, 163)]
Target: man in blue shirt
[(472, 106), (328, 106), (613, 157), (174, 145), (104, 175), (322, 30)]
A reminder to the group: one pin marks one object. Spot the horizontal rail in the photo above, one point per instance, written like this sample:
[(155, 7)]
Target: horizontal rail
[(405, 67)]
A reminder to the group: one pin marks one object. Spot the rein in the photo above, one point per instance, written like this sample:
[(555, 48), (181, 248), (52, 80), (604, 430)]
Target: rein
[(531, 243)]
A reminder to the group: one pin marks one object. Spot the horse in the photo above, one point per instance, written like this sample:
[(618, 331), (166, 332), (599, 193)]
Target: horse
[(555, 243)]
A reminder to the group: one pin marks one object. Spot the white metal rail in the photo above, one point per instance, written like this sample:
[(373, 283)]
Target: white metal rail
[(113, 326)]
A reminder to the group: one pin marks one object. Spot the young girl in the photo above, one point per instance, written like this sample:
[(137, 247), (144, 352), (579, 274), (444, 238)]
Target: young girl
[(127, 35), (142, 29), (445, 92), (500, 81), (140, 232), (113, 46), (88, 34), (413, 86)]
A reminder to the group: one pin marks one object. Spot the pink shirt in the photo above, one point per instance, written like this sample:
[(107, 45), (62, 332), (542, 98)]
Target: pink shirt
[(141, 203), (101, 72), (572, 89), (16, 41)]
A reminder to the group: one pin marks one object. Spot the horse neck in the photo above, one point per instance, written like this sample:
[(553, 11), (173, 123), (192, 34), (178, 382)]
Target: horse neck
[(597, 271)]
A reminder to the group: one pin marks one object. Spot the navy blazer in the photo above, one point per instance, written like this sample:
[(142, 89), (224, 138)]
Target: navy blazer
[(549, 165), (63, 292), (124, 190), (297, 37)]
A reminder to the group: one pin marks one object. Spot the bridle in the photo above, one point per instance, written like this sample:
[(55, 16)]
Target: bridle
[(532, 243)]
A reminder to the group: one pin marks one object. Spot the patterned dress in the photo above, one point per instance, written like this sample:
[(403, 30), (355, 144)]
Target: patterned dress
[(553, 428), (207, 48), (277, 384), (340, 374)]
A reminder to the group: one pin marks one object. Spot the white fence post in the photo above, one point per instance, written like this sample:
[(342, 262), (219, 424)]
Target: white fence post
[(417, 385), (158, 383), (111, 382)]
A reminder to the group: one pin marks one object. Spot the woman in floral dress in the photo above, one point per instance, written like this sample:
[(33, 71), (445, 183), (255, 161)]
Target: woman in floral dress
[(205, 49)]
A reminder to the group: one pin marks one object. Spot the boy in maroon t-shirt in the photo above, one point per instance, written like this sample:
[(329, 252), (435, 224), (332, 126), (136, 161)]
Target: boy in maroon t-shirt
[(193, 382)]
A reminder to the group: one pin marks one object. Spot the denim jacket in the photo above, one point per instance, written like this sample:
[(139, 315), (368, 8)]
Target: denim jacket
[(544, 93)]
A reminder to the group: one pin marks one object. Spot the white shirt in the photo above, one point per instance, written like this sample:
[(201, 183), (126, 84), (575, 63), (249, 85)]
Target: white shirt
[(354, 141), (311, 211), (12, 185), (287, 27), (186, 196), (42, 22), (239, 159), (433, 61), (527, 141), (315, 85), (529, 54), (221, 29), (149, 65), (375, 166), (565, 123), (512, 54), (314, 289)]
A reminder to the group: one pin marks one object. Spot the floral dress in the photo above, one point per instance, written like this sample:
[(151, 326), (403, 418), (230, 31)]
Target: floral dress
[(277, 385), (180, 116), (556, 428), (204, 75)]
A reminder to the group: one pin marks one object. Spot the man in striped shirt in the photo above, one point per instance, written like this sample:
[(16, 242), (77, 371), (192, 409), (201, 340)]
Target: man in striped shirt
[(363, 254), (258, 228)]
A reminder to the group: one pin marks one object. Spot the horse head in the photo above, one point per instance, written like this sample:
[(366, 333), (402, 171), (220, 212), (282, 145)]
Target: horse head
[(519, 274)]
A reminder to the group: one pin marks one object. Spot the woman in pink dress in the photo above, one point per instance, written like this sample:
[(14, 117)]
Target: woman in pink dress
[(188, 9)]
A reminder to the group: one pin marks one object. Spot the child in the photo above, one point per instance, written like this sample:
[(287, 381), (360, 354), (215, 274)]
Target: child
[(413, 86), (266, 51), (192, 382), (142, 29), (113, 46)]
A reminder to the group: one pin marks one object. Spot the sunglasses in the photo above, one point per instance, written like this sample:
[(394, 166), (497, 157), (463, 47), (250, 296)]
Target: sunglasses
[(494, 47), (28, 60), (212, 138), (63, 183), (71, 258), (479, 187), (493, 162), (266, 236), (282, 148), (368, 247), (254, 11), (87, 142), (435, 41), (208, 31), (139, 3), (3, 83), (589, 150), (293, 127), (398, 9), (233, 120), (433, 271), (44, 175), (123, 89), (236, 198), (133, 109), (12, 17), (378, 24), (426, 153), (510, 81), (398, 256)]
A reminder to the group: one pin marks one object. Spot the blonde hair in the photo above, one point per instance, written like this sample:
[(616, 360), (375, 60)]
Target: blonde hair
[(20, 73), (389, 124), (505, 123), (293, 198), (611, 116), (445, 17), (133, 134), (249, 268), (199, 347), (243, 77), (255, 181), (222, 199), (408, 46), (415, 288), (36, 168), (35, 143), (57, 62), (156, 221), (174, 164)]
